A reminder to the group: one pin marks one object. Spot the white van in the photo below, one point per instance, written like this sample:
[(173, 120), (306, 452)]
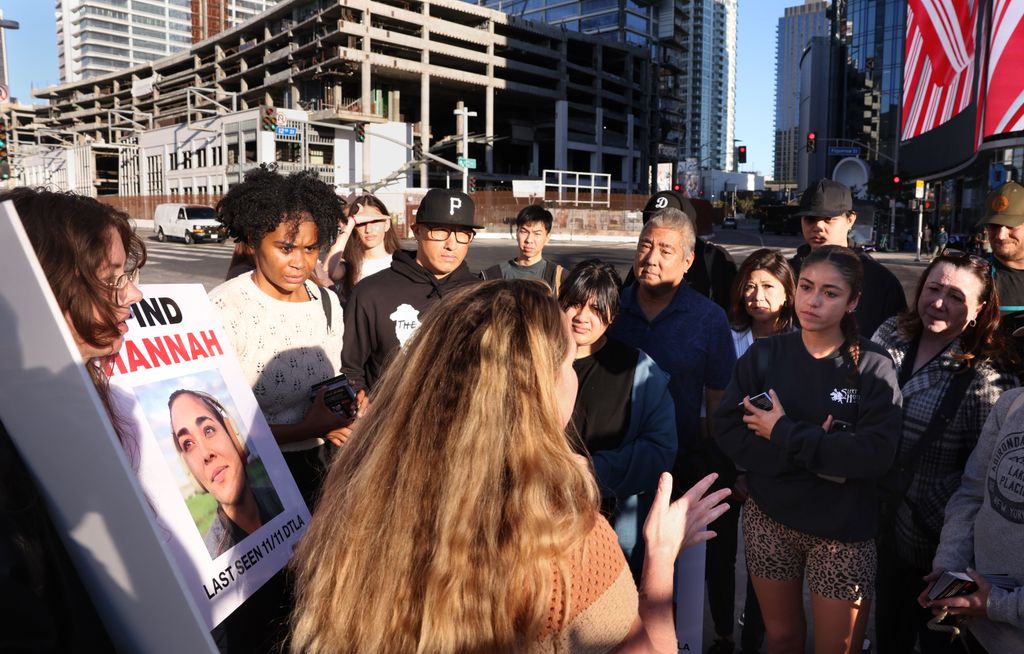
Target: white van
[(191, 222)]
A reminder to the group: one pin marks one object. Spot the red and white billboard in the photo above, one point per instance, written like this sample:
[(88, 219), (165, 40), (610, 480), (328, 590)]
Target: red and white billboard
[(1004, 91), (939, 62)]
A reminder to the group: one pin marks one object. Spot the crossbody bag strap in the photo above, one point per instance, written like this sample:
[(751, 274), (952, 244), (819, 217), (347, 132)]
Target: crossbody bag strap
[(950, 404)]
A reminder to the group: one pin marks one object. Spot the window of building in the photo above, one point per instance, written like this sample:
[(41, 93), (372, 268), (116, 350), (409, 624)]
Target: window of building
[(201, 158), (147, 8), (172, 161), (186, 160), (217, 153), (565, 11), (155, 174), (598, 22)]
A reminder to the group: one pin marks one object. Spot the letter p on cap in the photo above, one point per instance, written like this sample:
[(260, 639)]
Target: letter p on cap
[(453, 204)]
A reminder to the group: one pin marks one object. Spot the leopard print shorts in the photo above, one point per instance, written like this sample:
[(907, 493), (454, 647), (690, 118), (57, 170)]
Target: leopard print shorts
[(835, 570)]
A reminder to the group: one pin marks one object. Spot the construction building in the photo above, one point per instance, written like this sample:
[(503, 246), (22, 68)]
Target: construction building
[(544, 98)]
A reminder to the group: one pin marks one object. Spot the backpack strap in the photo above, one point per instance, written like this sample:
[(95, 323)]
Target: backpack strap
[(326, 302)]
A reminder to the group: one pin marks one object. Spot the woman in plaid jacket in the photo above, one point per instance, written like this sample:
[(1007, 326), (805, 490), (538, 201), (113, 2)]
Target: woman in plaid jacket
[(951, 328)]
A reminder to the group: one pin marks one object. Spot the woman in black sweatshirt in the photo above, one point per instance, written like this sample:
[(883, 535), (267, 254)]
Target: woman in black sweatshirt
[(813, 459)]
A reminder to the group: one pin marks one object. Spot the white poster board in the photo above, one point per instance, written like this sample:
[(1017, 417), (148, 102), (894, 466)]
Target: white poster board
[(207, 461), (55, 418), (690, 598)]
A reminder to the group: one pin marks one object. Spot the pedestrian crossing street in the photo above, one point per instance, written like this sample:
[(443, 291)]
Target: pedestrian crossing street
[(157, 252), (741, 252)]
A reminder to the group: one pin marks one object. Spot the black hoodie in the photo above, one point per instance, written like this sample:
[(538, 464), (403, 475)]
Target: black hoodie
[(386, 308)]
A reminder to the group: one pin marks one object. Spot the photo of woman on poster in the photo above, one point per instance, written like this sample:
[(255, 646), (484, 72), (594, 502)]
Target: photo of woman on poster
[(219, 462)]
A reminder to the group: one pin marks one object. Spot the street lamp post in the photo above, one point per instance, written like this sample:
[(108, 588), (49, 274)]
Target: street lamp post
[(5, 25), (465, 114)]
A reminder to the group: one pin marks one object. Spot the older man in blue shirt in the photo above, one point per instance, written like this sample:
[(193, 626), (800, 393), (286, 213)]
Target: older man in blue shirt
[(688, 336), (685, 333)]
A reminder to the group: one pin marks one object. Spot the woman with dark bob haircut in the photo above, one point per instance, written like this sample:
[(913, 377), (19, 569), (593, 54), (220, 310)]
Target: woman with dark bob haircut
[(948, 339), (91, 257), (624, 415), (285, 329)]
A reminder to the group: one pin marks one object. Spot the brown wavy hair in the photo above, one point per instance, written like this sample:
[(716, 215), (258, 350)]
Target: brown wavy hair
[(983, 342), (457, 497), (71, 237), (772, 262), (354, 252), (848, 265)]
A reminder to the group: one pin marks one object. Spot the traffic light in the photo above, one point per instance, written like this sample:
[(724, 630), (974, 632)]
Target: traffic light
[(360, 132), (896, 180), (741, 154), (5, 161), (675, 187), (269, 121), (472, 184), (812, 142)]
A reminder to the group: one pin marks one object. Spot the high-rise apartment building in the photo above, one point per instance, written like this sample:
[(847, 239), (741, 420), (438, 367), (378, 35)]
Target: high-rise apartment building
[(693, 50), (795, 29), (708, 80), (877, 29), (95, 37)]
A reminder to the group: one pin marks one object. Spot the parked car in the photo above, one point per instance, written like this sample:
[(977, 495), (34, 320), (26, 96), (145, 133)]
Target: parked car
[(729, 222), (189, 222)]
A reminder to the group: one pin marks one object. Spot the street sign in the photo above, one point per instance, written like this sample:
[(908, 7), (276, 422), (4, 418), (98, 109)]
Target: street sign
[(843, 151), (287, 131), (466, 162), (919, 189)]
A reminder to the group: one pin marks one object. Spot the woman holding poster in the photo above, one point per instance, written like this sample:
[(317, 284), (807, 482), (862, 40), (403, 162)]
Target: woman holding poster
[(91, 258), (285, 329), (458, 517)]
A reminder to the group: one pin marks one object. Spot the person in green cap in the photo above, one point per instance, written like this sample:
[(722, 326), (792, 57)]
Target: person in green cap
[(1004, 223)]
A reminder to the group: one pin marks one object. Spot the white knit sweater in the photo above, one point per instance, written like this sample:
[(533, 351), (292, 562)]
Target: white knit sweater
[(284, 347)]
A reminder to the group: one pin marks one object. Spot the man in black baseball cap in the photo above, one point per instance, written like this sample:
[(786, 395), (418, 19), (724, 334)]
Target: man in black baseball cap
[(386, 308), (713, 269), (826, 217)]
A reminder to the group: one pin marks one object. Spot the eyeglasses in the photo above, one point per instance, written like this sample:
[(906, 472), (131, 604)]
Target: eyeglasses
[(121, 282), (462, 236)]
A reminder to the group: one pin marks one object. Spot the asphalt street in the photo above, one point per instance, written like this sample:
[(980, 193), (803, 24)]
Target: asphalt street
[(206, 263)]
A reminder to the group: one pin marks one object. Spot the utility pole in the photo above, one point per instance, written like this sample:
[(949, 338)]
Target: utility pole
[(464, 114), (5, 25)]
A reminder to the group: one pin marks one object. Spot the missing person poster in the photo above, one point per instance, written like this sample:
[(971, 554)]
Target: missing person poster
[(206, 459)]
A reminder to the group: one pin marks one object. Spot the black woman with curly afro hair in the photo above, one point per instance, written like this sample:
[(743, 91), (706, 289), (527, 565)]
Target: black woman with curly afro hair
[(285, 329)]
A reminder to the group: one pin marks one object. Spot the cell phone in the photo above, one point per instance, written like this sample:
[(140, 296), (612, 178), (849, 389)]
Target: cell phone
[(952, 584), (840, 425), (762, 401), (339, 396)]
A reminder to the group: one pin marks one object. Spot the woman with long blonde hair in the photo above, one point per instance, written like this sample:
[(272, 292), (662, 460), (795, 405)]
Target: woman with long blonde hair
[(458, 518)]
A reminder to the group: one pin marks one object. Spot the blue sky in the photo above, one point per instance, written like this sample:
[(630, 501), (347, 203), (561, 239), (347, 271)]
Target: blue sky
[(32, 63)]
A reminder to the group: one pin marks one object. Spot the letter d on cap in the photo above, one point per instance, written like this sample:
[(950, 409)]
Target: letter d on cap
[(661, 203), (453, 204)]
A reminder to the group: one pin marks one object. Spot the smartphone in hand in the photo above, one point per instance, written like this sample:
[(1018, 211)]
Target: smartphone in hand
[(762, 401)]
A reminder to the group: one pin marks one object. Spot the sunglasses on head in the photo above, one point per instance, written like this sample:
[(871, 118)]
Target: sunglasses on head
[(959, 255)]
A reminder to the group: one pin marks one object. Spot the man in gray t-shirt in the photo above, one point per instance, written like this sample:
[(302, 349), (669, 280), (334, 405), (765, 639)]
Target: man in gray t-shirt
[(533, 231)]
